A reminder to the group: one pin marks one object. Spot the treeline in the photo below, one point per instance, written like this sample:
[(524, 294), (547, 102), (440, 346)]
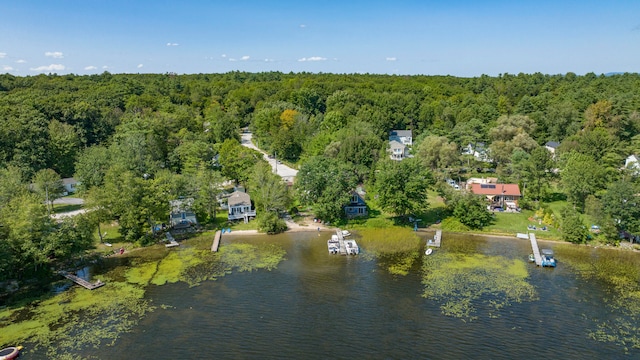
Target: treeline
[(137, 141)]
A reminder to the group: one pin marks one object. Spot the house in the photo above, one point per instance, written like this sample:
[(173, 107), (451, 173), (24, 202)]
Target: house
[(70, 185), (398, 150), (505, 196), (478, 150), (552, 146), (356, 206), (181, 215), (483, 180), (632, 163), (239, 204), (401, 136)]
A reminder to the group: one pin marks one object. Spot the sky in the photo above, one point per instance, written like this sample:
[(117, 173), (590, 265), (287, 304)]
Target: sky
[(414, 37)]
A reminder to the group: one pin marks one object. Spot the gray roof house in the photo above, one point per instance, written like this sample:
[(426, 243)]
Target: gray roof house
[(552, 146), (356, 206), (401, 136), (70, 185), (181, 215), (239, 204), (632, 162), (398, 150)]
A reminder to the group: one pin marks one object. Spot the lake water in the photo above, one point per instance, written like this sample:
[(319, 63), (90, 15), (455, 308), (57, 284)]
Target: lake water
[(321, 306)]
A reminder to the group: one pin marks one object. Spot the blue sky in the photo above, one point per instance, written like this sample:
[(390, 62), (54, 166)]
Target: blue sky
[(456, 37)]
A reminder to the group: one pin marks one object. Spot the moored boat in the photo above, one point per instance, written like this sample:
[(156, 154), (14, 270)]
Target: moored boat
[(346, 233), (429, 251), (10, 352), (547, 258)]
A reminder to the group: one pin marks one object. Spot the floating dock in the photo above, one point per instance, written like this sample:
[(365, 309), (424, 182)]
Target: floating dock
[(82, 282), (437, 239), (344, 246), (535, 248), (216, 241)]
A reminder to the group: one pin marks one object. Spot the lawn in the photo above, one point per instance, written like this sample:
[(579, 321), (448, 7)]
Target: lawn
[(512, 223), (62, 208)]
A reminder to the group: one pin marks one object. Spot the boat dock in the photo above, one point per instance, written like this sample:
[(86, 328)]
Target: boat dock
[(345, 246), (172, 241), (437, 239), (82, 282), (535, 248), (216, 241)]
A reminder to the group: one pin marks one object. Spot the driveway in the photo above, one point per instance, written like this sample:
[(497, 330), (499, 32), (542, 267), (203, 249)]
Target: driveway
[(287, 173), (69, 201)]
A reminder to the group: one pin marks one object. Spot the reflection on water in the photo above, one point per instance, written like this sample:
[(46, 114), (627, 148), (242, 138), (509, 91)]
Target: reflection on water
[(317, 306)]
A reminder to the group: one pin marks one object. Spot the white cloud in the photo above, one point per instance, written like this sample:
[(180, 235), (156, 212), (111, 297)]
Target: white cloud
[(3, 55), (391, 58), (21, 61), (49, 68), (245, 58), (105, 67), (90, 67), (54, 54), (7, 68), (223, 55), (140, 66), (313, 58), (232, 59), (172, 44), (303, 26), (269, 60)]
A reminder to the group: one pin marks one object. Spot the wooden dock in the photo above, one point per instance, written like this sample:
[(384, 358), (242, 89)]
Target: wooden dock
[(81, 281), (172, 241), (535, 248), (347, 246), (437, 239), (216, 241)]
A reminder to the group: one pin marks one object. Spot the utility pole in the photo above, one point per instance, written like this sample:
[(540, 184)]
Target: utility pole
[(275, 158)]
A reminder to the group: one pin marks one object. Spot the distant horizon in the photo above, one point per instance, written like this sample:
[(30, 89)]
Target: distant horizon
[(459, 38)]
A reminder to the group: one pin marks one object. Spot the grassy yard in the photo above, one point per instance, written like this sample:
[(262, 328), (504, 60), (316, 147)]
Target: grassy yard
[(62, 208), (512, 223)]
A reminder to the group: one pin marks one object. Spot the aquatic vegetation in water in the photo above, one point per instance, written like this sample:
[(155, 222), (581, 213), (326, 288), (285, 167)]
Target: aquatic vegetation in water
[(620, 270), (396, 248), (464, 283), (249, 257)]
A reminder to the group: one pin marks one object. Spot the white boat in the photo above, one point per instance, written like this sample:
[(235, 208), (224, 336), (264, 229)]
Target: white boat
[(346, 233), (333, 245), (429, 251)]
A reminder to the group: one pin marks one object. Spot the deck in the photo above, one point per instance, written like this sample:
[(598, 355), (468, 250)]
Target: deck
[(437, 239), (347, 247), (535, 248), (216, 241), (82, 282)]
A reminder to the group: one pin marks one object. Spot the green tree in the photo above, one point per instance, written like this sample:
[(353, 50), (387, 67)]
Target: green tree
[(402, 186), (64, 143), (573, 228), (621, 203), (472, 211), (436, 152), (237, 160), (581, 176), (209, 186), (267, 189), (48, 185), (93, 162)]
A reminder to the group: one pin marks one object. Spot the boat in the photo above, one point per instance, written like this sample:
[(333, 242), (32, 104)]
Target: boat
[(429, 251), (547, 258), (10, 352), (352, 247), (333, 245), (532, 258), (346, 233)]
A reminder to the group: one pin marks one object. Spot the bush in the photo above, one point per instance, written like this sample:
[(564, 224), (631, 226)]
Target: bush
[(270, 223)]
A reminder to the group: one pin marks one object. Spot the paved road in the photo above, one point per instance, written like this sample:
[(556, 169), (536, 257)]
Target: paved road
[(287, 173)]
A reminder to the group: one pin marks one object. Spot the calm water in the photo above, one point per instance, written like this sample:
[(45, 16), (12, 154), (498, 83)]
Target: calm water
[(321, 306)]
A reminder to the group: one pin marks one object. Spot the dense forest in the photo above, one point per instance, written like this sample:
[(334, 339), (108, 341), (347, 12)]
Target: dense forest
[(136, 141)]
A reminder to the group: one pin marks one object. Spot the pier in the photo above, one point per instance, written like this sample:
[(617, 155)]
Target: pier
[(216, 241), (535, 248), (437, 239), (172, 241), (82, 282), (346, 246)]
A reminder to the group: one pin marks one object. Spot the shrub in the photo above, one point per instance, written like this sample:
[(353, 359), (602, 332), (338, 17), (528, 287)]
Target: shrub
[(270, 223)]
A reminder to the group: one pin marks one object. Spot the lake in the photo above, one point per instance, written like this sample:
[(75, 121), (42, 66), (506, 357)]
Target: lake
[(317, 306)]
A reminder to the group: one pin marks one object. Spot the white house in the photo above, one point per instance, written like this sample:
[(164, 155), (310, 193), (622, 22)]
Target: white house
[(70, 185), (181, 214), (552, 146), (632, 163), (398, 150), (239, 204), (478, 150), (401, 136)]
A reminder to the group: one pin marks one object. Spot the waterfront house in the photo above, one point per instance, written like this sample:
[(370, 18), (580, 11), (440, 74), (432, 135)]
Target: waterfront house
[(357, 206), (181, 215), (503, 196), (239, 204), (70, 185)]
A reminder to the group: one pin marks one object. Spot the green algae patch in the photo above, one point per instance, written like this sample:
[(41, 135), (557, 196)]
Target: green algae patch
[(142, 274), (396, 248), (250, 257), (619, 271), (77, 319), (171, 268), (465, 284)]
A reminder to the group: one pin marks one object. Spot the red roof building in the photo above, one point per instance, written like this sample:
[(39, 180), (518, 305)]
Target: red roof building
[(503, 195)]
